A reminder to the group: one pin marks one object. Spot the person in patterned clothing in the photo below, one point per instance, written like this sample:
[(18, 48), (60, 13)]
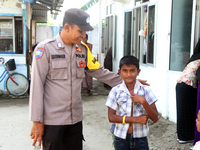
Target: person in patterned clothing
[(130, 104)]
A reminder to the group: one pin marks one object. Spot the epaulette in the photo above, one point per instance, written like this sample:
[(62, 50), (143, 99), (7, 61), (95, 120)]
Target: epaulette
[(48, 41)]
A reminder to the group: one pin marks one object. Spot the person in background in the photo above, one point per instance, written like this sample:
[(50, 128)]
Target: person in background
[(130, 104), (186, 99), (197, 143), (108, 63), (197, 129), (87, 81)]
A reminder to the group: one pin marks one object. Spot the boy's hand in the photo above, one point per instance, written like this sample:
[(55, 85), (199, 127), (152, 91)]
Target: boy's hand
[(137, 98), (142, 119)]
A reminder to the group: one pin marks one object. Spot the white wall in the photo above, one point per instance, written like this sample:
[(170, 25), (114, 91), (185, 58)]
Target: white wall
[(43, 33), (162, 81), (10, 7)]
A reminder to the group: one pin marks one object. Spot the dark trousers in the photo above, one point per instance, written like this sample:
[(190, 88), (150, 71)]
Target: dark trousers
[(186, 100), (63, 137), (131, 143)]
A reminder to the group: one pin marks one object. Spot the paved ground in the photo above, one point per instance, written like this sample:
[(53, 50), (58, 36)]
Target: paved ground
[(15, 126)]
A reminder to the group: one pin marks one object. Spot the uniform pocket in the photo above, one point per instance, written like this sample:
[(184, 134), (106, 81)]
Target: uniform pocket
[(80, 70), (58, 70)]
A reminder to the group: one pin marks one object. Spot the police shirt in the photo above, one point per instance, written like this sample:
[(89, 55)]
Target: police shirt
[(55, 93)]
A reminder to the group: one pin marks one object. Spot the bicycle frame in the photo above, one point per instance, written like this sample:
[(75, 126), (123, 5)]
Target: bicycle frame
[(4, 75)]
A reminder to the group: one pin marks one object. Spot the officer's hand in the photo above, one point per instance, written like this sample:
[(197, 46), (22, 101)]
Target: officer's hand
[(144, 82), (37, 132)]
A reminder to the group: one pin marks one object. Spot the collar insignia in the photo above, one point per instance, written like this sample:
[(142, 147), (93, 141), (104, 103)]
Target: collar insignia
[(59, 45), (78, 49)]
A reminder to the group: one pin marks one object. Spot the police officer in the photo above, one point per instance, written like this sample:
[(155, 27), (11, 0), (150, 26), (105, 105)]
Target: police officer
[(59, 65)]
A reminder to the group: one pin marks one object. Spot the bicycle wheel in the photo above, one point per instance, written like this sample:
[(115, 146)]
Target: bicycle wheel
[(17, 89)]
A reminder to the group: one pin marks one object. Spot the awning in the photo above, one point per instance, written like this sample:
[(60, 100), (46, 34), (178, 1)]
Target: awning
[(41, 7), (89, 4)]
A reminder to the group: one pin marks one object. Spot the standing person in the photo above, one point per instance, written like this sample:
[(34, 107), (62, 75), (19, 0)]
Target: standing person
[(87, 81), (197, 55), (186, 99), (197, 143), (129, 106), (197, 127), (58, 68), (108, 63)]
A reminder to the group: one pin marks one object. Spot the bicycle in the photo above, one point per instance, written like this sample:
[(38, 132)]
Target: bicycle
[(15, 83)]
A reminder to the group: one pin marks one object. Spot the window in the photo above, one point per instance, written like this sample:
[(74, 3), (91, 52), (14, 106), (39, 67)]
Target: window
[(109, 9), (110, 34), (18, 36), (102, 36), (11, 35), (136, 29), (6, 35), (180, 34), (127, 32), (138, 2), (144, 34), (150, 44), (110, 31)]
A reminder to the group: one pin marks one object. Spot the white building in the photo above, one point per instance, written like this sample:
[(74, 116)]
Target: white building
[(171, 35)]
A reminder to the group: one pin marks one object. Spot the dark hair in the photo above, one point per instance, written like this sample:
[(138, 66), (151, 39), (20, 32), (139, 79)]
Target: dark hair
[(129, 60), (71, 24), (86, 36), (197, 48)]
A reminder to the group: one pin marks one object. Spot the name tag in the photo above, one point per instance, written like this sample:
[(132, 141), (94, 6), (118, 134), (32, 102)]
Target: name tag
[(57, 56)]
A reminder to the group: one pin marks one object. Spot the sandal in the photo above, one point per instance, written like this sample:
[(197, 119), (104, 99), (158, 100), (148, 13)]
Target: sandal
[(88, 93)]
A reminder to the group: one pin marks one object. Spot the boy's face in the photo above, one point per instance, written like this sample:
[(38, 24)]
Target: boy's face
[(129, 73)]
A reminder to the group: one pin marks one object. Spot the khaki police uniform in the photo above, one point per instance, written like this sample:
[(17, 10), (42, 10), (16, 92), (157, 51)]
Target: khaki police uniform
[(55, 94)]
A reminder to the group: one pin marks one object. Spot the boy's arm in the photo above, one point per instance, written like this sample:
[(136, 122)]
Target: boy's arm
[(119, 119), (151, 110)]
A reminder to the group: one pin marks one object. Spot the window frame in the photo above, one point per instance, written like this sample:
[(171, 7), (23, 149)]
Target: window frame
[(139, 52), (192, 39), (155, 39), (13, 30), (131, 42), (108, 42)]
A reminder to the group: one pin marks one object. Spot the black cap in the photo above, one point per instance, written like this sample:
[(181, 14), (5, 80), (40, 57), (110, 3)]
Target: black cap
[(78, 17)]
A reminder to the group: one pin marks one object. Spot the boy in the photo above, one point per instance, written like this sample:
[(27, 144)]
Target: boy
[(130, 104)]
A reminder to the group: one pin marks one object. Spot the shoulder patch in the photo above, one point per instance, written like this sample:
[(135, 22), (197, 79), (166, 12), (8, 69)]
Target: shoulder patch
[(39, 52)]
